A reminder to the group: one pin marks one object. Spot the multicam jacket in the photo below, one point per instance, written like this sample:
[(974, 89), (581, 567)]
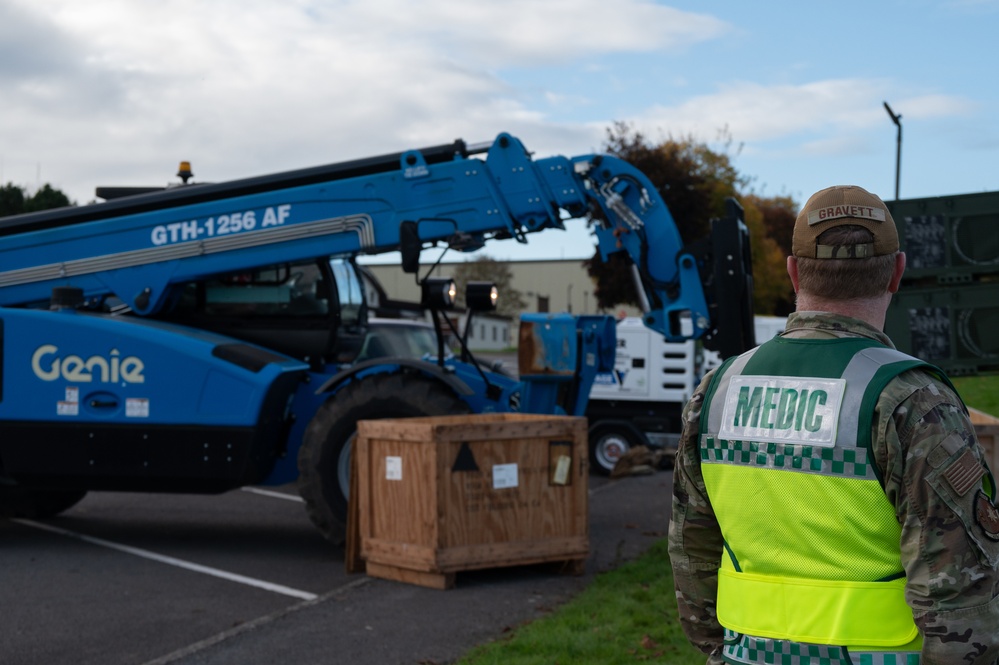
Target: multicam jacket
[(925, 448)]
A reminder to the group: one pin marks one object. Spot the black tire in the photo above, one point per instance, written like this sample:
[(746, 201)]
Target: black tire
[(324, 458), (37, 503), (607, 444)]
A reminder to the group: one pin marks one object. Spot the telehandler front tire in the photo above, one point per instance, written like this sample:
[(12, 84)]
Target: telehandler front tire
[(324, 458)]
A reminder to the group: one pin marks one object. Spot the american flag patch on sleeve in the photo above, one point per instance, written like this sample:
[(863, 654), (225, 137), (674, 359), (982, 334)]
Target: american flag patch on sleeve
[(964, 473)]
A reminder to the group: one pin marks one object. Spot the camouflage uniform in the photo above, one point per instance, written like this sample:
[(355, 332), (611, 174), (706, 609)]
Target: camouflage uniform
[(950, 554)]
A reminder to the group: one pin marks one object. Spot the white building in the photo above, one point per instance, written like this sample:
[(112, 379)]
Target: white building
[(557, 285), (546, 286), (490, 332)]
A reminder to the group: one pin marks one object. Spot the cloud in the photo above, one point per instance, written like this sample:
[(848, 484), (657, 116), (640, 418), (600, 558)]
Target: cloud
[(44, 66), (243, 87), (837, 145), (110, 92), (21, 59), (530, 33), (934, 106), (754, 113)]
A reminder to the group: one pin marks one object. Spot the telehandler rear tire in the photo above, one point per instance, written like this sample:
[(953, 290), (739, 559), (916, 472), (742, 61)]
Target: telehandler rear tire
[(324, 458), (37, 503)]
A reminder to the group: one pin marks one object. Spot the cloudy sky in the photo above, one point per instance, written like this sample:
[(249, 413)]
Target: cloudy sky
[(117, 92)]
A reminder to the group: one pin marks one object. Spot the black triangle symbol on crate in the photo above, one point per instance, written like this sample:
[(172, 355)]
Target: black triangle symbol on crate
[(465, 461)]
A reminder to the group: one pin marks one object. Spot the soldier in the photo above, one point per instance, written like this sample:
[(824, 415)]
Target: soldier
[(831, 504)]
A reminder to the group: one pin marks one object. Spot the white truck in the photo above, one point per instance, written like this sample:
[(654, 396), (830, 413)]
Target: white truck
[(640, 402)]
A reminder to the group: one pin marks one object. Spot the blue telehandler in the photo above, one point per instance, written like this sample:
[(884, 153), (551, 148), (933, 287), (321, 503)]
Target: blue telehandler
[(202, 338)]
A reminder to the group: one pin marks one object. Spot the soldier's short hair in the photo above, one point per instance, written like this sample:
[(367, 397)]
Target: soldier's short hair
[(846, 278)]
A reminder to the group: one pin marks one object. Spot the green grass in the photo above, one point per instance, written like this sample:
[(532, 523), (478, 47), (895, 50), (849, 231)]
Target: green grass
[(627, 615), (980, 392)]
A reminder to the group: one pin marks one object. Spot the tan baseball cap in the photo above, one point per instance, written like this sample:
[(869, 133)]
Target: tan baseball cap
[(839, 206)]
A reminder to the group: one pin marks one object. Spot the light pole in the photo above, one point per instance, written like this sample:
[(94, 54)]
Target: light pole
[(898, 148)]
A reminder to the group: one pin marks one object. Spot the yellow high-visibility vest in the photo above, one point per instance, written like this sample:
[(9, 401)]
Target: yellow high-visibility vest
[(811, 541)]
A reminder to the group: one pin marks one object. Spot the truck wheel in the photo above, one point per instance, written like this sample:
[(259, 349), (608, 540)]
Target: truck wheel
[(324, 458), (36, 503), (607, 445)]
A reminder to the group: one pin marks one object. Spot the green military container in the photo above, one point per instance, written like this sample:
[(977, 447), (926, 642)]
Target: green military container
[(947, 309)]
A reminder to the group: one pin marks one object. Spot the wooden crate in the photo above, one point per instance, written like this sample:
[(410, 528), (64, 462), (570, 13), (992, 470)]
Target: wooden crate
[(987, 430), (987, 435), (445, 494)]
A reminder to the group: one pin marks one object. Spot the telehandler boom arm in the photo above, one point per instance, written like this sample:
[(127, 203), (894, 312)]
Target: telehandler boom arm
[(137, 248)]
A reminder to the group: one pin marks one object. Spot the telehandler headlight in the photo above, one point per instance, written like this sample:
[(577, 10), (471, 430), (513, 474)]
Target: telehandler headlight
[(481, 296), (439, 293)]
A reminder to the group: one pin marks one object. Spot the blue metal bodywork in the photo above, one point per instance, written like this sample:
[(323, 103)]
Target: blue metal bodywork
[(100, 369), (138, 252), (117, 379), (117, 403)]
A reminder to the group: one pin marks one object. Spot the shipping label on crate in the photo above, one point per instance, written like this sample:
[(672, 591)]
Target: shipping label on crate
[(560, 476), (504, 476), (560, 462), (393, 468)]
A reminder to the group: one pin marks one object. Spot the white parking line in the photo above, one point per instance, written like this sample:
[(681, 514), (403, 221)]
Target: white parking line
[(276, 495), (180, 563), (215, 640)]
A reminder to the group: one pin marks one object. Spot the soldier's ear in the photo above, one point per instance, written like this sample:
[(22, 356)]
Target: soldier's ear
[(792, 271), (896, 277)]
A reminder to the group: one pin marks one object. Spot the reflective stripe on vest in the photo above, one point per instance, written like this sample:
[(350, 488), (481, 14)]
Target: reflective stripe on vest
[(812, 541), (760, 651)]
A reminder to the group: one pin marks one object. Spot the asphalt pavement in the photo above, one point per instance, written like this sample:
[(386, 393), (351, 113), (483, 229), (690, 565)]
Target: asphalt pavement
[(243, 578)]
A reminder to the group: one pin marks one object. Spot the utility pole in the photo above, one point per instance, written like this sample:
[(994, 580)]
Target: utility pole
[(898, 148)]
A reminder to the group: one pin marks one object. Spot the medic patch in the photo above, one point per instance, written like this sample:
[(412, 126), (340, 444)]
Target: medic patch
[(964, 473), (987, 516), (783, 409)]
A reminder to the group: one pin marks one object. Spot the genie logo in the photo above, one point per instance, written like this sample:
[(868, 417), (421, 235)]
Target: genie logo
[(48, 365)]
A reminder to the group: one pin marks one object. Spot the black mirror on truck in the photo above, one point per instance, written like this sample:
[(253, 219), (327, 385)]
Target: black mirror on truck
[(410, 246)]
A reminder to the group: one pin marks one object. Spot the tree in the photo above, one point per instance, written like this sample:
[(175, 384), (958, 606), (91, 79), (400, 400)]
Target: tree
[(766, 217), (14, 200), (46, 198), (771, 224), (11, 200), (613, 283), (487, 269), (779, 213), (695, 181)]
